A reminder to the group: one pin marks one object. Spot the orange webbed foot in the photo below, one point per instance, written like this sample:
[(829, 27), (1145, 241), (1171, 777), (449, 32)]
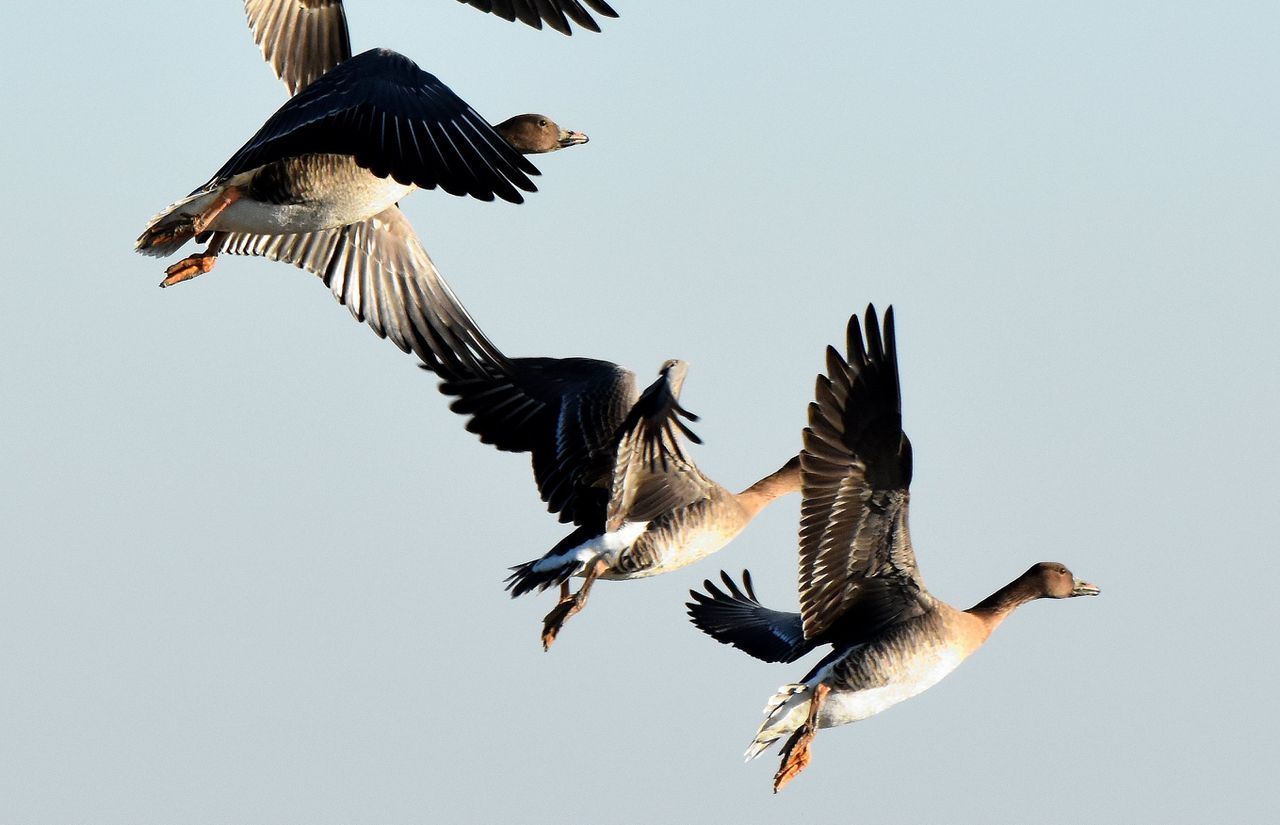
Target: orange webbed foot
[(796, 756), (170, 234), (553, 621), (189, 267), (795, 759)]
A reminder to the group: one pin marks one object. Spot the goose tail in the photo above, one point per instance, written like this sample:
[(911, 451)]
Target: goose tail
[(539, 575), (168, 231), (554, 568), (786, 711)]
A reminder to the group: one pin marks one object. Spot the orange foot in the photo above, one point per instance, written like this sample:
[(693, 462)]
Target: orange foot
[(179, 230), (188, 268), (555, 620), (796, 755)]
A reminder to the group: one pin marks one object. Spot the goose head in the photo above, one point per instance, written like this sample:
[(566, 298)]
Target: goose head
[(535, 134), (1051, 580)]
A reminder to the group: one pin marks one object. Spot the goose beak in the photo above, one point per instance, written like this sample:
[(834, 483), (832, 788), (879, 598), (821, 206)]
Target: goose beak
[(1084, 589), (568, 138)]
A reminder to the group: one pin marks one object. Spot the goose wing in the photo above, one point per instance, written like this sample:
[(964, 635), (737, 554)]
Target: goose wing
[(397, 121), (379, 270), (301, 39), (652, 474), (565, 412), (555, 13), (857, 565), (734, 616)]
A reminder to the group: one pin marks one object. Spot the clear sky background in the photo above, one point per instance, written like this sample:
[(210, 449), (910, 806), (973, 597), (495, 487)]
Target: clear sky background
[(251, 566)]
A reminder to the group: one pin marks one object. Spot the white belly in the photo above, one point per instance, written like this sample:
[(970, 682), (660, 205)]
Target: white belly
[(692, 546), (354, 200), (843, 707)]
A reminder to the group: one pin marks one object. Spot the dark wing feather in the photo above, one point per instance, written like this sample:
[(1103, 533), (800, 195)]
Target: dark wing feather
[(652, 475), (856, 558), (555, 13), (397, 121), (301, 39), (734, 616), (378, 269), (304, 39), (566, 412)]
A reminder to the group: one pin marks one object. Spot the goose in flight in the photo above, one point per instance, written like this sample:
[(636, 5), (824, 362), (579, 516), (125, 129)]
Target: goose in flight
[(860, 590), (607, 457), (318, 185), (303, 39)]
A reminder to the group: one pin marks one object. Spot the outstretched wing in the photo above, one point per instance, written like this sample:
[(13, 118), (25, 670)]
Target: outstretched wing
[(378, 269), (856, 559), (555, 13), (734, 616), (301, 39), (652, 474), (565, 412), (397, 121)]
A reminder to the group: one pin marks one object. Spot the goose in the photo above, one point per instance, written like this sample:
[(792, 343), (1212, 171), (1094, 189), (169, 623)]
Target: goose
[(860, 590), (318, 187), (607, 456), (303, 39)]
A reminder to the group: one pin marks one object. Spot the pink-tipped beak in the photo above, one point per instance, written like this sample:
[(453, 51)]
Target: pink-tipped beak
[(1085, 589), (568, 138)]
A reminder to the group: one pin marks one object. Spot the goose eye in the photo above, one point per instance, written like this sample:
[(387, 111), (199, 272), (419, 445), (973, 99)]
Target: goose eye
[(542, 123)]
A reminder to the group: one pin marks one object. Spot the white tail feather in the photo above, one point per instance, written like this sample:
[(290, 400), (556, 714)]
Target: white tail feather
[(178, 216), (786, 711)]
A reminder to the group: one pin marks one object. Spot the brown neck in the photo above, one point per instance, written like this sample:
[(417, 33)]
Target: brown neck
[(786, 479), (995, 608)]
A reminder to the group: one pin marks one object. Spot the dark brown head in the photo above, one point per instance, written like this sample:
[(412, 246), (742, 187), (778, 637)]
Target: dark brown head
[(534, 134), (1050, 580)]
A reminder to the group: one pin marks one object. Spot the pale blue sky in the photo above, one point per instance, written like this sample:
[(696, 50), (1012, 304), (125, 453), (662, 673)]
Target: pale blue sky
[(251, 566)]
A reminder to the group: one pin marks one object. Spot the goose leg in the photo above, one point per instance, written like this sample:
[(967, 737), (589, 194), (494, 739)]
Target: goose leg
[(228, 196), (569, 605), (795, 755), (196, 264)]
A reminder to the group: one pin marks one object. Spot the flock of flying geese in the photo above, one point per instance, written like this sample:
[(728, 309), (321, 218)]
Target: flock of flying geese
[(318, 187)]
